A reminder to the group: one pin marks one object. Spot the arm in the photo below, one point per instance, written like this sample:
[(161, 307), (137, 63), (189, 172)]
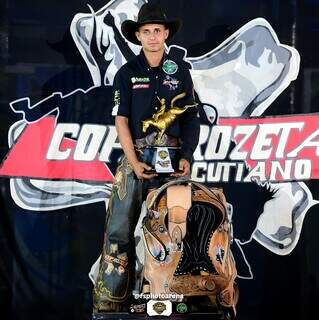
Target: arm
[(126, 142), (122, 110)]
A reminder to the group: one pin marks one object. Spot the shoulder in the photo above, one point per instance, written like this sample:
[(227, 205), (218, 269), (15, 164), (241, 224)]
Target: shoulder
[(124, 73), (130, 65), (128, 68), (123, 69)]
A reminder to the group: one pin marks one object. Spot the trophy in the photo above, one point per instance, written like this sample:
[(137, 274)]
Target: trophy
[(163, 159)]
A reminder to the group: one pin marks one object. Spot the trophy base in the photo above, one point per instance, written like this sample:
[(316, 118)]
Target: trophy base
[(163, 160)]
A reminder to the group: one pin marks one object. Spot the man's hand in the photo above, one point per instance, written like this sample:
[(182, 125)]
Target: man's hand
[(185, 167), (139, 168), (126, 142)]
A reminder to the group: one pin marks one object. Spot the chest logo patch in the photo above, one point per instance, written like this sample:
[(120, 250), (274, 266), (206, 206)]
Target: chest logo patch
[(172, 83), (170, 67)]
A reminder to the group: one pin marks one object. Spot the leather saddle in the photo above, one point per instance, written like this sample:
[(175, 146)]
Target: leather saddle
[(187, 237)]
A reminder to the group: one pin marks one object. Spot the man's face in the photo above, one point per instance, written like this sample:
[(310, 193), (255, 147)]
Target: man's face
[(152, 37)]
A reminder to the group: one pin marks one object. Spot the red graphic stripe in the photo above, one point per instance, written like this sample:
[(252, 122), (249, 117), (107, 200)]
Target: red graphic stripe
[(27, 158)]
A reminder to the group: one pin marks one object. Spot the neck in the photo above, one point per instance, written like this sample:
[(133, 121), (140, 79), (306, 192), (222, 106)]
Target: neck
[(154, 58)]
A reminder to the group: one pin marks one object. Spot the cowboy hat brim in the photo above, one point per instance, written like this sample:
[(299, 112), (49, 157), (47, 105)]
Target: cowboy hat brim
[(129, 27)]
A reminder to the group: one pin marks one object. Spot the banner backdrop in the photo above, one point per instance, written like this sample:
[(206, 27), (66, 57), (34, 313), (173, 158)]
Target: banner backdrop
[(255, 72)]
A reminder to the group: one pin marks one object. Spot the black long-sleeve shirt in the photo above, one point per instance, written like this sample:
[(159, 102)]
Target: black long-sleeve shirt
[(136, 90)]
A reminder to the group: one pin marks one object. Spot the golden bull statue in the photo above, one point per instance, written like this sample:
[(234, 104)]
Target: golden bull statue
[(162, 119)]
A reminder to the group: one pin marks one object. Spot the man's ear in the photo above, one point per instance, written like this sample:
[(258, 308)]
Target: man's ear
[(137, 35), (166, 33)]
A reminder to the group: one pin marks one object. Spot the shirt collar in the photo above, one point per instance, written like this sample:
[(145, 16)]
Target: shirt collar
[(145, 63)]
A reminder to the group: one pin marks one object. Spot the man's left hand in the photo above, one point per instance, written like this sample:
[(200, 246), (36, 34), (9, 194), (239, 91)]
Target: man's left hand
[(184, 167)]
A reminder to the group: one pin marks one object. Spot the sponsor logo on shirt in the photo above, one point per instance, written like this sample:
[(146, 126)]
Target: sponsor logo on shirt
[(141, 86), (117, 100), (143, 80), (172, 83)]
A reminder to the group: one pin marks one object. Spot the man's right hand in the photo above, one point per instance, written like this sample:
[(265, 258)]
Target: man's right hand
[(139, 168)]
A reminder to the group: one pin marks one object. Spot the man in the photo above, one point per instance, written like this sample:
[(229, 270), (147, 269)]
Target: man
[(141, 87)]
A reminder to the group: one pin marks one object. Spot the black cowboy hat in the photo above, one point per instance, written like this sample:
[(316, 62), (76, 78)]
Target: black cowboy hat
[(149, 13)]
